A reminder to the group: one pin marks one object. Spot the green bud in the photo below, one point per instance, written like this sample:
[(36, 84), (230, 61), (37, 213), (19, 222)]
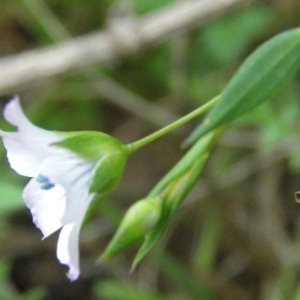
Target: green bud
[(109, 154), (140, 218)]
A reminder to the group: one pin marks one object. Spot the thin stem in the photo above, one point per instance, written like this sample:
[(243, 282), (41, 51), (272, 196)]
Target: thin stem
[(178, 123)]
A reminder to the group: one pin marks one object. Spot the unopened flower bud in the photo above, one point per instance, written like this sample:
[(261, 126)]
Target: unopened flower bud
[(140, 218)]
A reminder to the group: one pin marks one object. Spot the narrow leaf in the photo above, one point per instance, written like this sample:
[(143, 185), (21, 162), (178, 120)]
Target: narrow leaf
[(263, 74)]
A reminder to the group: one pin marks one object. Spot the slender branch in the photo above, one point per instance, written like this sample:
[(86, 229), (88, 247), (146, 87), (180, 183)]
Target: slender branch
[(108, 45), (165, 130)]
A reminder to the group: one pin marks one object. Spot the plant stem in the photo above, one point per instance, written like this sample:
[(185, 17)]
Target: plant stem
[(178, 123)]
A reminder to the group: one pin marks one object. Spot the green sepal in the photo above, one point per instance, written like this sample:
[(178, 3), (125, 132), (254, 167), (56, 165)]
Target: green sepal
[(108, 154), (140, 218), (108, 171), (264, 73), (91, 145)]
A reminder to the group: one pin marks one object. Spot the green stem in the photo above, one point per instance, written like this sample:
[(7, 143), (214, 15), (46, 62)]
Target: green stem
[(178, 123)]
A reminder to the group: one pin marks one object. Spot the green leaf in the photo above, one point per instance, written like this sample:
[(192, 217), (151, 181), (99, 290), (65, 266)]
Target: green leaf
[(264, 73)]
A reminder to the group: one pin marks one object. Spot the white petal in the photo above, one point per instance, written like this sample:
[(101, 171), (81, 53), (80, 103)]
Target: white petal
[(29, 146), (68, 241), (47, 206), (31, 152), (14, 114), (53, 209), (71, 176), (23, 159), (68, 249), (74, 174)]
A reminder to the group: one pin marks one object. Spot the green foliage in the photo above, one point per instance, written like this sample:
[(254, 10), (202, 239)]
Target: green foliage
[(91, 145), (223, 43), (263, 74), (35, 294), (228, 39), (209, 243), (278, 121), (180, 277), (10, 198), (208, 253), (173, 189), (147, 6), (112, 290), (73, 98)]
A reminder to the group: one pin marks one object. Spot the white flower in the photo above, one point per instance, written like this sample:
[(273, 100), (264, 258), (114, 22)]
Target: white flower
[(58, 195)]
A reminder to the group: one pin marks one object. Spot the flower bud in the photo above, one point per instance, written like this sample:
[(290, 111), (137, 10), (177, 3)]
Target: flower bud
[(140, 218)]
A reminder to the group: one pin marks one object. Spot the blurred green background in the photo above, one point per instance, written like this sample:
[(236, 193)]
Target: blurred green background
[(237, 235)]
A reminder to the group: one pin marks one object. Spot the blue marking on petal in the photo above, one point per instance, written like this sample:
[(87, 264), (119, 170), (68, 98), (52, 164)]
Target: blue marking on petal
[(42, 179), (44, 182), (47, 186)]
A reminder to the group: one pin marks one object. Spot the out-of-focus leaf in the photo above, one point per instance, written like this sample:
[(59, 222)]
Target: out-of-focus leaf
[(144, 6), (235, 33), (209, 241), (35, 294), (181, 278), (112, 290), (10, 197), (4, 269)]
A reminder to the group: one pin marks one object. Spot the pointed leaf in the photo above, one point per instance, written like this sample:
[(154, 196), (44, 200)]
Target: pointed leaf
[(265, 72)]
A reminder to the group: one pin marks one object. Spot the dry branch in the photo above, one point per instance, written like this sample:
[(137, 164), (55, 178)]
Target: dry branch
[(110, 44)]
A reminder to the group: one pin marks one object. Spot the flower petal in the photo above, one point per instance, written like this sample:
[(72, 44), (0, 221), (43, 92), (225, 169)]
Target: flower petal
[(29, 146), (47, 206), (14, 114), (68, 242), (24, 159), (68, 248), (74, 174)]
